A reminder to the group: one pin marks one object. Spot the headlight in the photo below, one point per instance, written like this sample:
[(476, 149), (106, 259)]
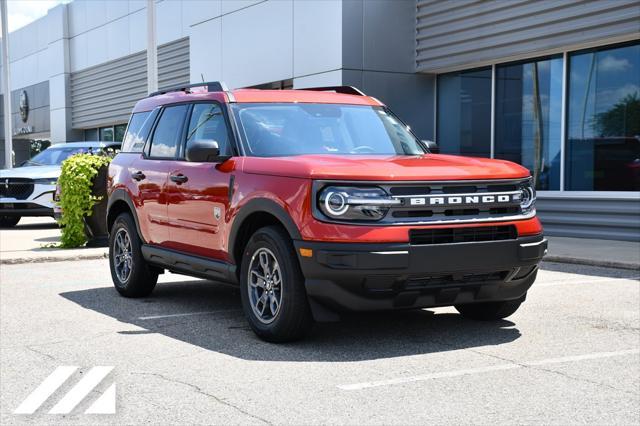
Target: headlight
[(527, 197), (354, 203), (46, 181)]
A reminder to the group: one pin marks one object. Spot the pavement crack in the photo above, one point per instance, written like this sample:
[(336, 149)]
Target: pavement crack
[(199, 390), (548, 370), (51, 357)]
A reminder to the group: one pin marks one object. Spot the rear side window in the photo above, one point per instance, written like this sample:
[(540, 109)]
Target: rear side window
[(166, 136), (138, 130)]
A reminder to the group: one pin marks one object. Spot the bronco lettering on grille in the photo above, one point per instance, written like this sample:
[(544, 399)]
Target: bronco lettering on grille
[(463, 199)]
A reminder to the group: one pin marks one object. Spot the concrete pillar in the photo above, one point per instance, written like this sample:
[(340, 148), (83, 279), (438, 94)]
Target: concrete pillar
[(59, 78)]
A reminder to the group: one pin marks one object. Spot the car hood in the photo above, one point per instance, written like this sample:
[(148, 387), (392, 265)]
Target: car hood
[(31, 172), (385, 168)]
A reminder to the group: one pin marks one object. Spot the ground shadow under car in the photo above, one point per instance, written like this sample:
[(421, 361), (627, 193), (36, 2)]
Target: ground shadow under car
[(218, 324)]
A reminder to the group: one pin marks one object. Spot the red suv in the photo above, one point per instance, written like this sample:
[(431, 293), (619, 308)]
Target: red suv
[(314, 202)]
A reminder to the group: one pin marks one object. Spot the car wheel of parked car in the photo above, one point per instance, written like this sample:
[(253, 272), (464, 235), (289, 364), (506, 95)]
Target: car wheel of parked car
[(9, 221), (272, 287), (131, 274), (490, 310)]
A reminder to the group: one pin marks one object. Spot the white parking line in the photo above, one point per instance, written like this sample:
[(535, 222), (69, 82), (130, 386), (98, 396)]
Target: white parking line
[(558, 283), (186, 314), (499, 367), (45, 390)]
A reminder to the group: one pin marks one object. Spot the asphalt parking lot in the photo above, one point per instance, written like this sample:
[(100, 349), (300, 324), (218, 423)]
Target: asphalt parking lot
[(185, 355)]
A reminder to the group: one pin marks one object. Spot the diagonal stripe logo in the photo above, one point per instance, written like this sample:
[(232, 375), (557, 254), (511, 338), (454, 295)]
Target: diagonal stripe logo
[(105, 404)]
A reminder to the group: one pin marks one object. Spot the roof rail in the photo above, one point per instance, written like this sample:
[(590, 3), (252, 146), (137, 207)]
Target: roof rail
[(212, 86), (347, 90)]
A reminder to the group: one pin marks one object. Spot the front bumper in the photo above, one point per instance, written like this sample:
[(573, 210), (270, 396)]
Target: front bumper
[(369, 277), (22, 209), (39, 203)]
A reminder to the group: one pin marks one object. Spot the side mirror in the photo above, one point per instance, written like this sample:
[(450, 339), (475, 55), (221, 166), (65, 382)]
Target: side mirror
[(431, 146), (204, 151)]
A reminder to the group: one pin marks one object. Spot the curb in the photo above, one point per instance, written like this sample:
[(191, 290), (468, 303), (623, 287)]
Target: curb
[(45, 259), (592, 262)]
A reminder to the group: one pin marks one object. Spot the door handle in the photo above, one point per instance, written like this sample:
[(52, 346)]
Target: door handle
[(138, 176), (179, 179)]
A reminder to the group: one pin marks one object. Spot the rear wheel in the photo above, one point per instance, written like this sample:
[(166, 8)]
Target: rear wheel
[(272, 287), (131, 274), (9, 221), (490, 310)]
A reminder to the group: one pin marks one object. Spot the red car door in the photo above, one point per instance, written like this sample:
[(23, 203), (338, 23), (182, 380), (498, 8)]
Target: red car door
[(151, 173), (198, 193)]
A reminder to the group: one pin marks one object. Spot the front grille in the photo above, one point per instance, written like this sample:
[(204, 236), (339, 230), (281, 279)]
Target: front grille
[(462, 235), (18, 188), (454, 201)]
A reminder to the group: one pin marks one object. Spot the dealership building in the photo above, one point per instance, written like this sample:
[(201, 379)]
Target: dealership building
[(552, 85)]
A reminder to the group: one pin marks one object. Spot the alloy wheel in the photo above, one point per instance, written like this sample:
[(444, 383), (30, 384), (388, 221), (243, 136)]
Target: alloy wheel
[(265, 285), (122, 258)]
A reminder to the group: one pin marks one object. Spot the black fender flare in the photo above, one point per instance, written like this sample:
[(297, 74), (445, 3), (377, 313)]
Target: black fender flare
[(261, 205), (120, 194)]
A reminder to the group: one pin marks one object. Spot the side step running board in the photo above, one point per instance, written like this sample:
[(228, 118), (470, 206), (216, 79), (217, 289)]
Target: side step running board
[(190, 265)]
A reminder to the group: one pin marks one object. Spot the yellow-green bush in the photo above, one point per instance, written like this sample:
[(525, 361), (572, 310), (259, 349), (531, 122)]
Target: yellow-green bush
[(76, 197)]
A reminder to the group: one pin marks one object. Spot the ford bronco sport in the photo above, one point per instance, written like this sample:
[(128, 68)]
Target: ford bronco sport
[(314, 202)]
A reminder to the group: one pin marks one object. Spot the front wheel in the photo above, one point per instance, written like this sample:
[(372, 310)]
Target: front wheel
[(489, 311), (131, 274), (272, 287), (9, 221)]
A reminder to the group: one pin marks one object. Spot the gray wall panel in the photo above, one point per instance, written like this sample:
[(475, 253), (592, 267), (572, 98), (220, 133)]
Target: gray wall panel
[(451, 34), (106, 93), (590, 217), (38, 117), (405, 94)]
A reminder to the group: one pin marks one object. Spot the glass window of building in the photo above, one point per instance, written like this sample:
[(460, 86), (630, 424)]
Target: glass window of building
[(603, 128), (91, 135), (118, 132), (106, 134), (528, 118), (464, 113)]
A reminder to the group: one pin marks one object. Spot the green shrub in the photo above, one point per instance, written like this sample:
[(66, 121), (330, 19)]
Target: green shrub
[(76, 197)]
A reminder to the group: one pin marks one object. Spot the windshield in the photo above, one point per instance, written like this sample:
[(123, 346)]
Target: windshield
[(272, 130), (55, 156)]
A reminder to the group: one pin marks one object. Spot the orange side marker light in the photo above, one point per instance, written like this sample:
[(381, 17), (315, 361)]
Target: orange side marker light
[(305, 252)]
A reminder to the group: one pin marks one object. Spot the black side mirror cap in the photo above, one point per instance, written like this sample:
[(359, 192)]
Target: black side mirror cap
[(204, 151), (431, 146)]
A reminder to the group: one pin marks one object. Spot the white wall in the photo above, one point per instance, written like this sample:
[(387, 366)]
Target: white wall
[(243, 42), (28, 53), (254, 42)]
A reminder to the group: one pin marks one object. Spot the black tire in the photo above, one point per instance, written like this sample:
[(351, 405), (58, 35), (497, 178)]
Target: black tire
[(293, 319), (9, 221), (489, 311), (142, 278)]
